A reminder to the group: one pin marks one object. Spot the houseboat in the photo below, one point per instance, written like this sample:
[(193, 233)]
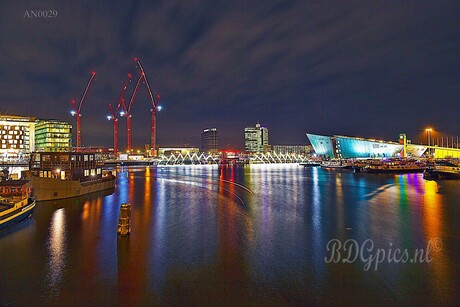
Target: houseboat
[(442, 170), (58, 175), (395, 166), (15, 203)]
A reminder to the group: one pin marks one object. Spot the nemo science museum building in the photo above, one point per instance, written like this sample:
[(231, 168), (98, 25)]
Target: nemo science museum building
[(345, 147)]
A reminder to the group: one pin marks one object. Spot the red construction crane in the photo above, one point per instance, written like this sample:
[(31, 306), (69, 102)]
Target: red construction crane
[(127, 109), (154, 105), (76, 110), (114, 114), (127, 113)]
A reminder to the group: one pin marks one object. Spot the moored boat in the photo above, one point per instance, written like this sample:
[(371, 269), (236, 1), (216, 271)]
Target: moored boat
[(358, 165), (59, 175), (310, 163), (337, 164), (442, 170), (395, 166), (15, 203)]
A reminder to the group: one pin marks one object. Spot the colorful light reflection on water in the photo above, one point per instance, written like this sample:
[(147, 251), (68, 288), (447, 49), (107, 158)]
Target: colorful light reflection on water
[(254, 234)]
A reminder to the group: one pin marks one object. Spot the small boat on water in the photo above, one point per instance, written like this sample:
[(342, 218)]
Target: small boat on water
[(442, 170), (310, 163), (15, 203), (337, 164)]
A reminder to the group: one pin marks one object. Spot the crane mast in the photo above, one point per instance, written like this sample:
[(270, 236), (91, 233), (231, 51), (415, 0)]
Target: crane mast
[(114, 114), (127, 114)]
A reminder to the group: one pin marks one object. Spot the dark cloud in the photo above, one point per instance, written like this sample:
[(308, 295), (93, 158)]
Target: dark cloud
[(370, 68)]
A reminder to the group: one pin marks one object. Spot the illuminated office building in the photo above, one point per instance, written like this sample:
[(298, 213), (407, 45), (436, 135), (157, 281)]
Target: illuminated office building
[(256, 139), (17, 136), (52, 135), (209, 141)]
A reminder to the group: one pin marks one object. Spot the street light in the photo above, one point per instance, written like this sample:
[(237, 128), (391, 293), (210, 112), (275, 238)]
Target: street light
[(428, 132)]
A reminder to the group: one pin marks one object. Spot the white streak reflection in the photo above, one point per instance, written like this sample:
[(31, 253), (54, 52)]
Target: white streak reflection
[(56, 249)]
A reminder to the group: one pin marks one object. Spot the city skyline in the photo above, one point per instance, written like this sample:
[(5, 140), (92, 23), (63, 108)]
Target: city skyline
[(296, 67), (238, 153)]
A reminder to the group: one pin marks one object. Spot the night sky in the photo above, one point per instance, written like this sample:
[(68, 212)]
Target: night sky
[(361, 68)]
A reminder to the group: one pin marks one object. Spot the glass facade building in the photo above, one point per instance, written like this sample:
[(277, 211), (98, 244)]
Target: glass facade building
[(345, 147), (256, 139), (53, 135), (350, 147), (209, 141), (322, 145)]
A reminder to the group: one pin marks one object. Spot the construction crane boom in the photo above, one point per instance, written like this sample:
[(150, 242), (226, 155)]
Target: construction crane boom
[(154, 103), (77, 109), (141, 70), (123, 91), (154, 99), (136, 89)]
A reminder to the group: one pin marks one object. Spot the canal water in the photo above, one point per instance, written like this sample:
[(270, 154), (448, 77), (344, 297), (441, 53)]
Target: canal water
[(259, 234)]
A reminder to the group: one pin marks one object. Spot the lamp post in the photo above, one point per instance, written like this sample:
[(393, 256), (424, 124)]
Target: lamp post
[(428, 136)]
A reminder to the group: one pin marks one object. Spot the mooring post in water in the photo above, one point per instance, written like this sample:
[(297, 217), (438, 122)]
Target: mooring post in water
[(124, 221)]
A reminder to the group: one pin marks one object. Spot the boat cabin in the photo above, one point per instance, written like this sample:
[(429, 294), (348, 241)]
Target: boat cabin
[(66, 165), (14, 190)]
